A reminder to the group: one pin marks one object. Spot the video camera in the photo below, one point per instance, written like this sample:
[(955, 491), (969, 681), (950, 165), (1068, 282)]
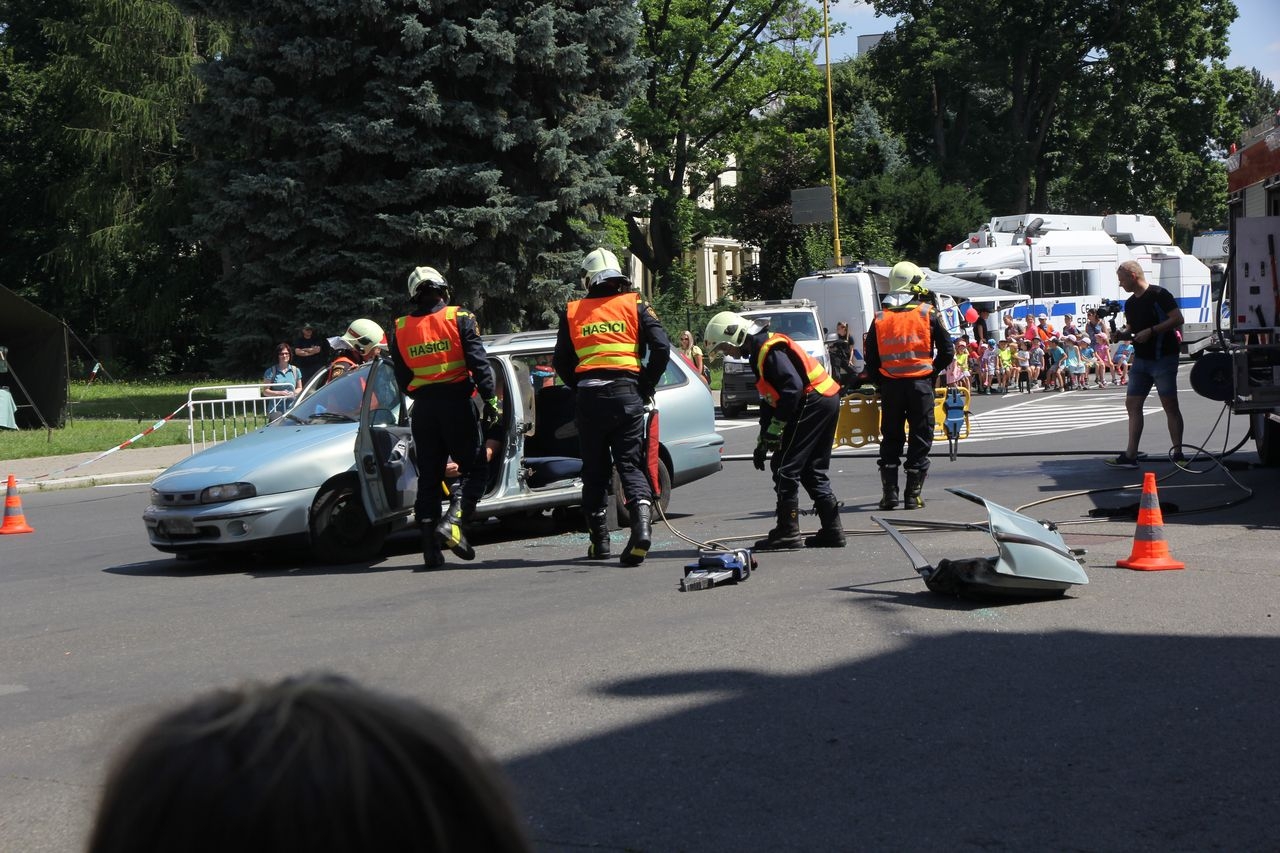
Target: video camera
[(1109, 308)]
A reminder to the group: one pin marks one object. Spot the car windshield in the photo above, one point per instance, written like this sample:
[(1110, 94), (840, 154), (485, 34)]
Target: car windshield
[(797, 325), (340, 400)]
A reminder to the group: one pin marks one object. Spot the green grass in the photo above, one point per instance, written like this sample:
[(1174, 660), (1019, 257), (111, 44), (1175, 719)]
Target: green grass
[(105, 414)]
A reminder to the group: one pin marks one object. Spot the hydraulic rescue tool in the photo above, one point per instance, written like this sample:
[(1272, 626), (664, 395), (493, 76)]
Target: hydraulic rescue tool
[(1034, 561), (717, 567)]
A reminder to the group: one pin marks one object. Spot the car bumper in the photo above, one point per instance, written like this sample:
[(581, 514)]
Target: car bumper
[(237, 525)]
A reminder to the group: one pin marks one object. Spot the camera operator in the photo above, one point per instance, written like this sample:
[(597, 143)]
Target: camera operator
[(1152, 319), (1108, 311)]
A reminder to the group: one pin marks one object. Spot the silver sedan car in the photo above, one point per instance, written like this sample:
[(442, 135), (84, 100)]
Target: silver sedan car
[(336, 473)]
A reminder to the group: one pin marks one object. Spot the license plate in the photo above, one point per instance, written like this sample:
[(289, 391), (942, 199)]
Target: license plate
[(176, 527)]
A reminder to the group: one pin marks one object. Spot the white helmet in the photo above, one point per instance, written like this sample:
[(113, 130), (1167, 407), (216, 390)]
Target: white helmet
[(728, 328), (364, 336), (601, 265), (430, 278), (906, 277)]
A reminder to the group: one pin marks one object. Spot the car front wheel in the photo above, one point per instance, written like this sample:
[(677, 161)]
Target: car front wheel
[(340, 527)]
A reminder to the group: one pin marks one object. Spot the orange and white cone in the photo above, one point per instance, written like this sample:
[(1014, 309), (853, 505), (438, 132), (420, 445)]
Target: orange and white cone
[(14, 520), (1150, 550)]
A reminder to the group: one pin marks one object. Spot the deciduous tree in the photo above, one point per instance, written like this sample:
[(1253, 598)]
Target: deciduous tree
[(713, 67)]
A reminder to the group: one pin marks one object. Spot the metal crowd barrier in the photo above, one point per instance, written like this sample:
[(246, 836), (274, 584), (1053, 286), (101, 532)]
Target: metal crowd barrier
[(226, 411)]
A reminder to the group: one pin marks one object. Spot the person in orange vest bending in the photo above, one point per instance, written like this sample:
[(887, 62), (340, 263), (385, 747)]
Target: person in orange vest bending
[(441, 364), (600, 352), (907, 346), (798, 411)]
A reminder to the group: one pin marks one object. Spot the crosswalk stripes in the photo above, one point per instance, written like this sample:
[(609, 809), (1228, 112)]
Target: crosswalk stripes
[(1050, 414)]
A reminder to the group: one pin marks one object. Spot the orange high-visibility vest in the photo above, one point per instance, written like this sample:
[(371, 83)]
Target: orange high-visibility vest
[(431, 346), (816, 377), (605, 331), (903, 338), (341, 366)]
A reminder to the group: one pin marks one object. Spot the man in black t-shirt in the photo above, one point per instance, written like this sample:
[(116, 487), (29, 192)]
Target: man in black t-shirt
[(1152, 319), (311, 352)]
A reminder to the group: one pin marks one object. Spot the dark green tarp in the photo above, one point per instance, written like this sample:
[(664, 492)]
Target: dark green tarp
[(37, 343)]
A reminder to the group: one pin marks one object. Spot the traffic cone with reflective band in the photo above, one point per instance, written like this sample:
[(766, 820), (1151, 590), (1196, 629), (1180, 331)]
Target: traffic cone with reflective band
[(14, 520), (1150, 550)]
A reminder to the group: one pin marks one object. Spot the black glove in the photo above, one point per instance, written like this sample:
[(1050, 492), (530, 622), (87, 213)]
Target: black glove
[(492, 411), (646, 390), (758, 457)]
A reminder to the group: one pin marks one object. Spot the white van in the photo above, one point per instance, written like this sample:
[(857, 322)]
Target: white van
[(842, 297)]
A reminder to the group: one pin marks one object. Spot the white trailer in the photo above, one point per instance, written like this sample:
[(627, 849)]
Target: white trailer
[(1065, 265)]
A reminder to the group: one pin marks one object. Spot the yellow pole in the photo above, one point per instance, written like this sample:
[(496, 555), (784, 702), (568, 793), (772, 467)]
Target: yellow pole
[(831, 137)]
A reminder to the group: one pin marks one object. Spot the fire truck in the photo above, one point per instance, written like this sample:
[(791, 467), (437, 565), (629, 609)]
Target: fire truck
[(1244, 369)]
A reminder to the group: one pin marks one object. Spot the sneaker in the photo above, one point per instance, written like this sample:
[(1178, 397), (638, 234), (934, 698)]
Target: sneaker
[(1123, 461), (1178, 459)]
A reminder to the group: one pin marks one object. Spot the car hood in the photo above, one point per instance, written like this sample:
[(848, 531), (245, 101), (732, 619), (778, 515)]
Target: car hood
[(274, 459)]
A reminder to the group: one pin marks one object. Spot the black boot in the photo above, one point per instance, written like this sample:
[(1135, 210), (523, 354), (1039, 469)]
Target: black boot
[(450, 528), (889, 482), (598, 530), (911, 496), (831, 534), (431, 556), (786, 535), (641, 534)]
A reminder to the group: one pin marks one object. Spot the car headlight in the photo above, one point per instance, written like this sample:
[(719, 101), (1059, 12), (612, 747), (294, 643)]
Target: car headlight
[(734, 366), (227, 492)]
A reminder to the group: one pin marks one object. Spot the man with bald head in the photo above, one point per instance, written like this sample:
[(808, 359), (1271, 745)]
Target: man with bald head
[(1152, 320)]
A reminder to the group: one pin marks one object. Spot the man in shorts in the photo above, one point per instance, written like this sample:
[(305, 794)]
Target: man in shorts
[(1152, 319)]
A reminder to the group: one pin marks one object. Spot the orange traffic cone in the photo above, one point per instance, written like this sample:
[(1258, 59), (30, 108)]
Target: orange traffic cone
[(14, 520), (1150, 550)]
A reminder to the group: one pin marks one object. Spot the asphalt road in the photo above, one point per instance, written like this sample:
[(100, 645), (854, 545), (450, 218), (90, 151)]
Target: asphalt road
[(830, 702)]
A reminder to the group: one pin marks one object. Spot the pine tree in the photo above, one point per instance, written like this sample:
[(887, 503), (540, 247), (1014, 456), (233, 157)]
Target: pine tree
[(345, 144)]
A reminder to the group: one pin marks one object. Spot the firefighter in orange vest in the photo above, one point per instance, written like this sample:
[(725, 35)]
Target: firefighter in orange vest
[(907, 346), (441, 363), (800, 403), (600, 352), (362, 340)]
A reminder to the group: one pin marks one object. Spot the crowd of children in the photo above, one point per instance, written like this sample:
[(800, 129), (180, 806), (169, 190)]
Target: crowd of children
[(1039, 357)]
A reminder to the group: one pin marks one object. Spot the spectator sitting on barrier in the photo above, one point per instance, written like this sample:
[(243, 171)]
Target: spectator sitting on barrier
[(314, 763), (1006, 365), (1102, 354), (1055, 355), (1090, 356), (1069, 327), (1022, 364), (1075, 370), (987, 364), (1120, 359), (962, 363)]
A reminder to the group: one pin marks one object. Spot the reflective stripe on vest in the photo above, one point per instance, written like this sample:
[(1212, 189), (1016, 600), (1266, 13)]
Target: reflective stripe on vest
[(431, 346), (605, 331), (816, 377), (903, 337)]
